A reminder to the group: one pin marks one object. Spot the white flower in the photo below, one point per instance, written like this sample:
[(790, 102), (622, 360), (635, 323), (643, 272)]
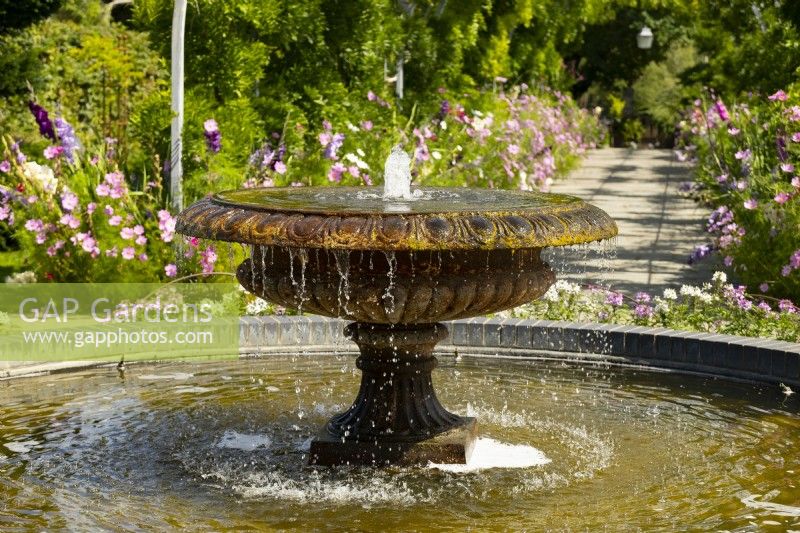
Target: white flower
[(256, 307), (670, 294), (661, 305), (22, 277), (436, 155), (352, 127), (551, 295), (567, 287), (360, 152), (443, 125), (41, 174), (719, 277), (353, 158)]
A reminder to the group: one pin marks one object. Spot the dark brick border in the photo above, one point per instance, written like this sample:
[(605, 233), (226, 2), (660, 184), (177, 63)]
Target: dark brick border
[(729, 356)]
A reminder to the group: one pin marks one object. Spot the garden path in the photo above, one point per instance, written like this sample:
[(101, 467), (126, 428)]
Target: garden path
[(658, 228)]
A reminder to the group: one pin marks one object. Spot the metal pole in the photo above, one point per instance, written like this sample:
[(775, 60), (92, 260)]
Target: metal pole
[(176, 131)]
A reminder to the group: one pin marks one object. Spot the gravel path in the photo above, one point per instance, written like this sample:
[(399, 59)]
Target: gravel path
[(658, 228)]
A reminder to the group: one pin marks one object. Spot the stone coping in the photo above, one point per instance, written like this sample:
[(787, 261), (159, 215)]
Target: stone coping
[(728, 356)]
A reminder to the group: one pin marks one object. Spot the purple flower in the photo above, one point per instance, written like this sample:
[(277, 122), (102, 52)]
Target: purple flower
[(787, 306), (743, 155), (787, 167), (371, 96), (642, 298), (34, 225), (335, 174), (728, 261), (213, 136), (5, 166), (614, 298), (764, 287), (700, 253), (43, 120), (69, 142), (779, 96), (336, 142), (750, 203), (444, 109), (171, 270), (764, 306), (786, 270), (643, 311), (780, 142), (280, 167)]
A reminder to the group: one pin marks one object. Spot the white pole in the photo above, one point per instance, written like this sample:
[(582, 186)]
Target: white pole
[(176, 135), (398, 88)]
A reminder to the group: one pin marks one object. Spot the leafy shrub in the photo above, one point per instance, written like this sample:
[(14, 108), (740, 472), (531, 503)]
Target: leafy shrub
[(746, 168)]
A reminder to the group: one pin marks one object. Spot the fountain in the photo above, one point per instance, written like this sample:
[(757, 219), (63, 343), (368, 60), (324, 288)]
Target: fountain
[(397, 263)]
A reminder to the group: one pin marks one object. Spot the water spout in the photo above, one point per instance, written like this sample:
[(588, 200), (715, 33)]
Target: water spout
[(397, 175)]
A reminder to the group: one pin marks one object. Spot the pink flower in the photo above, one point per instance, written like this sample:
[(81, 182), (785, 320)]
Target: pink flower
[(366, 125), (786, 270), (108, 210), (796, 182), (513, 149), (743, 155), (89, 245), (40, 238), (116, 220), (138, 229), (103, 189), (5, 166), (280, 167), (128, 253), (141, 240), (325, 138), (782, 197), (69, 200), (750, 204), (91, 207), (787, 167), (171, 270), (127, 233), (796, 137), (764, 287), (367, 179), (728, 261), (734, 131), (70, 220), (142, 257), (51, 152), (207, 259), (354, 171), (335, 174), (34, 225), (371, 96), (779, 96)]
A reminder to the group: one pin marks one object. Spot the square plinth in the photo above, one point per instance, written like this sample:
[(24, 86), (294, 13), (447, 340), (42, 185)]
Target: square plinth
[(451, 447)]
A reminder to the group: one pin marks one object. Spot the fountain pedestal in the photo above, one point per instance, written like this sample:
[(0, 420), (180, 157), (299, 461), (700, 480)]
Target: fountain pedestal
[(396, 417)]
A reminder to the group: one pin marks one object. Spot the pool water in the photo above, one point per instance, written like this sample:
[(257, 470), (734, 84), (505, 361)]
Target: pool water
[(222, 446)]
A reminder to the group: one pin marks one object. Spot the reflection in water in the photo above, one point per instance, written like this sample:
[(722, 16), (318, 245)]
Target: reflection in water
[(223, 445)]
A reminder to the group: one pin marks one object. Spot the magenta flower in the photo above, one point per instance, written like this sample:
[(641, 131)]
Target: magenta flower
[(782, 197), (750, 203), (779, 96), (51, 152), (171, 270), (722, 111)]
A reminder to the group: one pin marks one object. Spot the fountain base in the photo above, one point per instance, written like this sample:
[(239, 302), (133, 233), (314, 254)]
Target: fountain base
[(396, 417)]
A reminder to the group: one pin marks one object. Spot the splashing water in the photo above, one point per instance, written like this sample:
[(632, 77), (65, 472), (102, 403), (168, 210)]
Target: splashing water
[(397, 175)]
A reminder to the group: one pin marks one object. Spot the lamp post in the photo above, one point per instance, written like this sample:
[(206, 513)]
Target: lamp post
[(176, 130), (644, 39)]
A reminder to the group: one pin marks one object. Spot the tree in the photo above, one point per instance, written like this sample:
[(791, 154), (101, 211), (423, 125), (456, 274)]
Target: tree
[(18, 14)]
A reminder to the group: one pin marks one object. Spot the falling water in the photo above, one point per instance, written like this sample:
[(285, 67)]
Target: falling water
[(397, 175), (343, 268), (388, 296)]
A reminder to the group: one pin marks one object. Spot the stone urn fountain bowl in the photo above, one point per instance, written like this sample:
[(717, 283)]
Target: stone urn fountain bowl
[(396, 266)]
